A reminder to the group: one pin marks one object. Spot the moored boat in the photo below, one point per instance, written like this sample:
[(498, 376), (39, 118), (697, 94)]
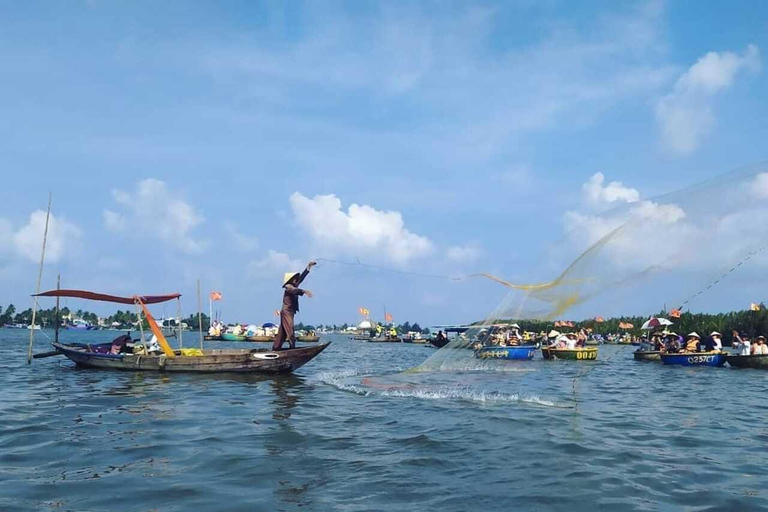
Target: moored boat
[(695, 358), (210, 337), (308, 338), (575, 354), (519, 352), (647, 355), (759, 361)]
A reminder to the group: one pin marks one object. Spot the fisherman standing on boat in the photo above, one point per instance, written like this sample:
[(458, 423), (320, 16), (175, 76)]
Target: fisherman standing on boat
[(291, 282)]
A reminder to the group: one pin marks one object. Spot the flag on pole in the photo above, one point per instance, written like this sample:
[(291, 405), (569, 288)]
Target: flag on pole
[(675, 313), (215, 295), (754, 307), (387, 317), (599, 319), (364, 311)]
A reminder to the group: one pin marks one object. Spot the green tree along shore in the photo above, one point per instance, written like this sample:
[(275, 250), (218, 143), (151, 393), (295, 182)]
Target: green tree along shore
[(127, 319), (748, 323), (47, 317)]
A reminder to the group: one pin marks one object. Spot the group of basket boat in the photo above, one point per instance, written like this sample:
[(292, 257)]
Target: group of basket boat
[(715, 358), (527, 352)]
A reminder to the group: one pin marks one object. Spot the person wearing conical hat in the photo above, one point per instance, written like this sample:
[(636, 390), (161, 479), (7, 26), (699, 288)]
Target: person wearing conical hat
[(717, 341), (692, 342), (291, 293)]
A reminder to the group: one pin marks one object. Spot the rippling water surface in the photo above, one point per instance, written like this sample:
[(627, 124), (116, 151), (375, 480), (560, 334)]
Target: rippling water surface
[(354, 431)]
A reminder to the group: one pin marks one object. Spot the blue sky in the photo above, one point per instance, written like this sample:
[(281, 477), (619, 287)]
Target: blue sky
[(190, 140)]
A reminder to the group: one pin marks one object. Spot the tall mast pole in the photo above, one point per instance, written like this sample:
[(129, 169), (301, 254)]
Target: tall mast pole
[(56, 319), (39, 279), (200, 315)]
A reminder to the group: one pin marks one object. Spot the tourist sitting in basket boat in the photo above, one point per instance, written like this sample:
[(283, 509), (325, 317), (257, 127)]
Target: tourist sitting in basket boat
[(672, 343), (760, 346), (741, 344), (716, 343), (692, 342)]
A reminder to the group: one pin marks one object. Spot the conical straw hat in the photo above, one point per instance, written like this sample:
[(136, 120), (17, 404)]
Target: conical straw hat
[(288, 276)]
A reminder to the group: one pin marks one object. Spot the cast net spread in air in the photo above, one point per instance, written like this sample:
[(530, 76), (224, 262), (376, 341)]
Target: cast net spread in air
[(638, 258)]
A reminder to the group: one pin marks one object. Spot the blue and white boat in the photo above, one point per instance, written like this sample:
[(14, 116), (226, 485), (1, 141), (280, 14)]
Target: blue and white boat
[(80, 325), (695, 358), (519, 352)]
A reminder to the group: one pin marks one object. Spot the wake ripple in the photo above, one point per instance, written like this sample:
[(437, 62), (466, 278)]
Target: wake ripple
[(355, 382)]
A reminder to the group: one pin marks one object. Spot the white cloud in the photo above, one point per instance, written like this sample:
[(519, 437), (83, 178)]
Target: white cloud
[(158, 212), (645, 221), (597, 194), (273, 265), (113, 221), (361, 228), (62, 237), (463, 254), (685, 115), (759, 186)]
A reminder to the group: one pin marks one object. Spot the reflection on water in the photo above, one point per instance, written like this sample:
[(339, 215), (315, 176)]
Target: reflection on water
[(354, 430)]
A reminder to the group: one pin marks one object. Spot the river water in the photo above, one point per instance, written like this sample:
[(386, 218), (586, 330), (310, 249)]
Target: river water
[(354, 431)]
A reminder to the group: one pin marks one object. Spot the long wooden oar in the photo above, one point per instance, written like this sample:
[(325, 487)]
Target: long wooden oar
[(43, 355)]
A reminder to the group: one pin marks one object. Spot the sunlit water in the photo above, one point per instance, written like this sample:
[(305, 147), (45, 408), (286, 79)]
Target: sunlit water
[(353, 431)]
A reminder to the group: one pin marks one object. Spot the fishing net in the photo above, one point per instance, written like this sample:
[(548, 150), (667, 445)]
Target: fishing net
[(700, 247)]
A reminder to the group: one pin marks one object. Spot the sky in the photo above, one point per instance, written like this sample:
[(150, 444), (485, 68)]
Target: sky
[(233, 141)]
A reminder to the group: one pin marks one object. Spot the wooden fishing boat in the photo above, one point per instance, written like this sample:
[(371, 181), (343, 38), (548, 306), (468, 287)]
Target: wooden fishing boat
[(260, 339), (116, 356), (695, 358), (439, 343), (228, 336), (752, 361), (521, 352), (647, 355), (575, 354), (308, 338), (212, 361), (384, 339)]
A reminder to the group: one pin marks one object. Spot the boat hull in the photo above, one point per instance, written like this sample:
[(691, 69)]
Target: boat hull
[(753, 361), (647, 355), (695, 359), (232, 337), (261, 339), (577, 354), (523, 353), (384, 340), (308, 339), (209, 337), (213, 361)]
